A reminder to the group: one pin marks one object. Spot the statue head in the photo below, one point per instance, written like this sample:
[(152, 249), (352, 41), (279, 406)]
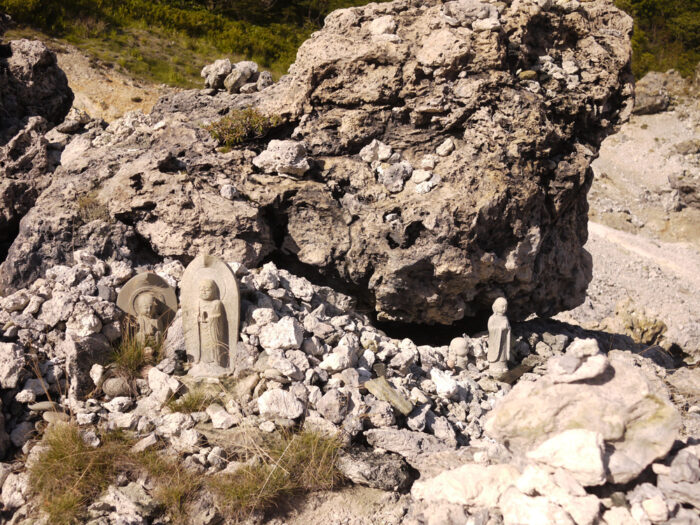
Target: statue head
[(208, 290), (459, 346), (500, 306), (145, 304)]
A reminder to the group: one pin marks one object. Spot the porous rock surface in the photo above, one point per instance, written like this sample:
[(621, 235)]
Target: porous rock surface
[(488, 116), (34, 97), (573, 413)]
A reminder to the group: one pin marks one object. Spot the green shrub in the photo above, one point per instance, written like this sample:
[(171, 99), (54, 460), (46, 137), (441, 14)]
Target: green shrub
[(666, 35), (241, 126)]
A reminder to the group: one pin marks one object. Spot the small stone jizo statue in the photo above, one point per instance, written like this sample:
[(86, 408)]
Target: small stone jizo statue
[(151, 302), (499, 337), (210, 315), (211, 318)]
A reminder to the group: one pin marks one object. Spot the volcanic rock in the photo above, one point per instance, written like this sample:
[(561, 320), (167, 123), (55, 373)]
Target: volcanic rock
[(629, 409), (508, 216)]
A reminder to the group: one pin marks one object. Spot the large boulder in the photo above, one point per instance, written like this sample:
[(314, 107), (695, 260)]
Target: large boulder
[(614, 421), (491, 114), (31, 84), (35, 97)]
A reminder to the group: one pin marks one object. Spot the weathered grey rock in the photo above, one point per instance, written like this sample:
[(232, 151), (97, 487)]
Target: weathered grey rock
[(395, 176), (239, 75), (334, 406), (119, 404), (220, 418), (131, 501), (285, 334), (264, 80), (22, 433), (35, 98), (379, 471), (381, 389), (682, 482), (80, 356), (174, 342), (283, 156), (15, 491), (471, 485), (279, 404), (629, 409), (508, 217), (11, 364), (32, 85), (187, 441), (116, 387), (215, 74), (651, 95), (404, 442), (519, 509), (578, 451), (163, 386)]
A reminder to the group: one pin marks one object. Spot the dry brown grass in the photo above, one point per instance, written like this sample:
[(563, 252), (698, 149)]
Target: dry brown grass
[(69, 475), (130, 355), (291, 464)]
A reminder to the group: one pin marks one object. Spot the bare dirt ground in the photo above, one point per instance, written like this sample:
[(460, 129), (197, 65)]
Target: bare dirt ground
[(644, 248), (102, 91), (351, 505)]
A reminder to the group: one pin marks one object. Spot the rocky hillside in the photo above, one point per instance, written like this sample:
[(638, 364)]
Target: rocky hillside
[(421, 159), (512, 119)]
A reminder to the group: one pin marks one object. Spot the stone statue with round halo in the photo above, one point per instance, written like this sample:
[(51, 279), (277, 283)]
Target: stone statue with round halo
[(151, 302)]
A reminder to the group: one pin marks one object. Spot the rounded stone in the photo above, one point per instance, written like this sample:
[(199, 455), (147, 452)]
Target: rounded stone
[(116, 387)]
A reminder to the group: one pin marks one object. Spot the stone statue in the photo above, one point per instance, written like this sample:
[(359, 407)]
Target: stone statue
[(151, 302), (458, 354), (499, 337), (210, 314)]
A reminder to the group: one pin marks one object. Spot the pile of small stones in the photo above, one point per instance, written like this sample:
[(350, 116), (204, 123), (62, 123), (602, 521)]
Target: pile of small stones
[(305, 358)]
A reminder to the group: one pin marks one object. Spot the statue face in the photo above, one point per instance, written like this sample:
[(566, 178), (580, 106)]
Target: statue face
[(500, 306), (145, 305), (208, 290)]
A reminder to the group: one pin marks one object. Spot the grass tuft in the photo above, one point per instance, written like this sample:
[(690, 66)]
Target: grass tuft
[(69, 474), (195, 400), (241, 126), (131, 355), (293, 464)]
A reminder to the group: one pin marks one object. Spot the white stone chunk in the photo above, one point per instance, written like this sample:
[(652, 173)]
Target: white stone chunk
[(278, 403)]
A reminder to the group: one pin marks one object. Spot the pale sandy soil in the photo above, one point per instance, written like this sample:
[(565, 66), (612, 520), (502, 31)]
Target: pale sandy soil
[(642, 248), (104, 92)]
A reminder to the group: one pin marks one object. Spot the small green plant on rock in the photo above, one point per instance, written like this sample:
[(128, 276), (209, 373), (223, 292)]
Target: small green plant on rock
[(195, 400), (91, 209), (131, 354), (241, 126)]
